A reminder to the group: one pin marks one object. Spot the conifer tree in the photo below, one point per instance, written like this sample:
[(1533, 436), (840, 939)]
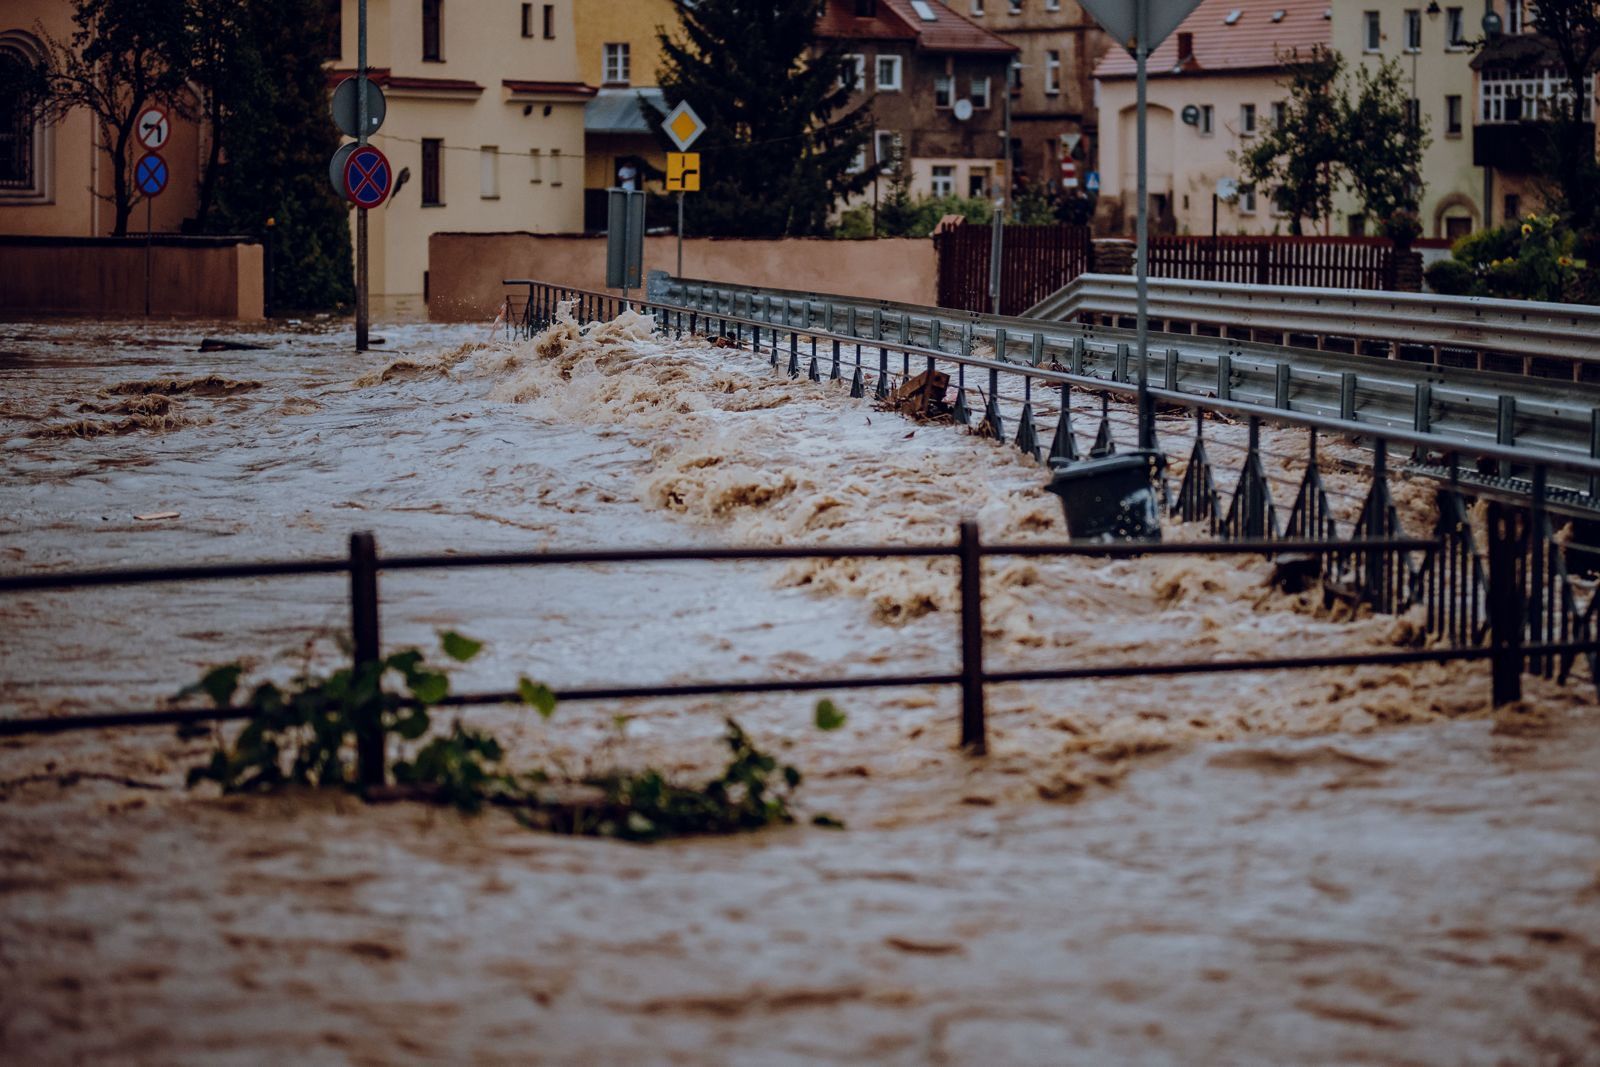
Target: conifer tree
[(782, 142)]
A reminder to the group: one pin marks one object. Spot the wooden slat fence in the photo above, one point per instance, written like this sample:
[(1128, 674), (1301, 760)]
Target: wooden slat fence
[(1330, 262), (1035, 262)]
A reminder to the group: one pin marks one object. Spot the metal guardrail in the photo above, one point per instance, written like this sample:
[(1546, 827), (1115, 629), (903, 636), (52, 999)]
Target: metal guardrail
[(1525, 329), (1470, 407)]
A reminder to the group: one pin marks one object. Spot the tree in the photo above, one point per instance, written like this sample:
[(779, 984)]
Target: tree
[(1573, 29), (269, 105), (781, 144), (124, 56), (1297, 158), (1383, 145), (897, 215)]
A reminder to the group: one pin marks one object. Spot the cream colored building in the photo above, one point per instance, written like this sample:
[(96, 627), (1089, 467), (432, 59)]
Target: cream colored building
[(1213, 85), (1429, 41), (48, 172), (485, 122)]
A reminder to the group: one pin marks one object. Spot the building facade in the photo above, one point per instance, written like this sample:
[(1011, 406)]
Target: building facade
[(934, 81), (1053, 116), (1213, 86)]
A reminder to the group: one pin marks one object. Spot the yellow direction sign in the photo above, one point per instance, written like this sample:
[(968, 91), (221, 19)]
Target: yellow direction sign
[(683, 172)]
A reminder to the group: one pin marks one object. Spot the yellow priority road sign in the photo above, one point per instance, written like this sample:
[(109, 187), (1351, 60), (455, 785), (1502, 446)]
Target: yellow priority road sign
[(683, 172)]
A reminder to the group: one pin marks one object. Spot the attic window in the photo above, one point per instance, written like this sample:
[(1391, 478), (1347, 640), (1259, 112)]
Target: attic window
[(924, 12), (1232, 17), (1277, 16), (866, 9)]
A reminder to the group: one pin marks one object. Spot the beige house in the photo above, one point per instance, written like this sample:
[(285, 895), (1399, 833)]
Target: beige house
[(1213, 85), (484, 124), (1429, 41)]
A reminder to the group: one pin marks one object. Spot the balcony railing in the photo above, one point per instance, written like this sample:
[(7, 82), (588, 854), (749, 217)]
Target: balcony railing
[(1505, 98)]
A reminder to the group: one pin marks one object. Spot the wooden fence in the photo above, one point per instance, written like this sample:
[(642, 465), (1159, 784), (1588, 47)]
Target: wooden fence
[(1329, 262), (1035, 261)]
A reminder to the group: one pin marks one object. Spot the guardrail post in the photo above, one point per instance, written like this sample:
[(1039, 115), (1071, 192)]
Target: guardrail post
[(1224, 374), (1347, 396), (1594, 451), (1119, 373), (1280, 387), (1504, 605), (1078, 346), (365, 642), (1171, 379), (974, 734)]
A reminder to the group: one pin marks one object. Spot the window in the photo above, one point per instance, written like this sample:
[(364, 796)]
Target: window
[(978, 182), (555, 166), (866, 9), (1247, 120), (944, 181), (432, 185), (1372, 33), (527, 20), (1452, 116), (335, 47), (536, 161), (1052, 5), (1413, 30), (1013, 7), (888, 74), (24, 145), (1014, 78), (1513, 206), (489, 172), (1514, 17), (858, 162), (1358, 225), (549, 22), (854, 72), (1247, 200), (616, 64), (886, 148), (1052, 72), (980, 92), (977, 7), (1455, 29), (1208, 120), (1280, 114), (924, 12), (1275, 198), (944, 90), (1457, 227), (432, 31)]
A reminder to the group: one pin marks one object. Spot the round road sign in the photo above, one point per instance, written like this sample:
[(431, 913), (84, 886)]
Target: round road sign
[(346, 103), (153, 128), (336, 168), (150, 174), (367, 177)]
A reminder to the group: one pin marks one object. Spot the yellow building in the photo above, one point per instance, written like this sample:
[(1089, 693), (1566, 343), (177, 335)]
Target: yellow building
[(484, 124), (1213, 85), (619, 50), (47, 171), (1429, 41)]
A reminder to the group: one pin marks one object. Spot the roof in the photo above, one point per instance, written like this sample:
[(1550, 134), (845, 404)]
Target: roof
[(523, 87), (899, 20), (1251, 42), (385, 79), (622, 110)]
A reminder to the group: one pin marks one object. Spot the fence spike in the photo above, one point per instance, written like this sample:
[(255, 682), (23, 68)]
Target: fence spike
[(1063, 446), (962, 413), (794, 362), (856, 390), (834, 374), (1103, 444), (1027, 435), (812, 373)]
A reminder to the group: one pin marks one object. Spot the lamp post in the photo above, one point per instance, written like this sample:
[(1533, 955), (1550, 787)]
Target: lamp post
[(1002, 202)]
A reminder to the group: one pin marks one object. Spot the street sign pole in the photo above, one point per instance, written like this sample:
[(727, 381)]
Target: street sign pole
[(149, 206), (680, 235), (1147, 427), (1002, 203), (362, 323)]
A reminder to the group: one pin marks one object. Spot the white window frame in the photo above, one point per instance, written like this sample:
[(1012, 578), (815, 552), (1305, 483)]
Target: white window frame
[(1277, 210), (1208, 121), (858, 163), (617, 63), (1413, 25), (1052, 5), (1052, 72), (1372, 31), (988, 93), (945, 83), (977, 8), (489, 172), (536, 161), (1454, 115), (1515, 13), (1280, 113), (987, 173), (555, 167), (947, 179), (1455, 29), (892, 85), (858, 60), (1013, 7), (1247, 120), (1247, 200), (885, 159)]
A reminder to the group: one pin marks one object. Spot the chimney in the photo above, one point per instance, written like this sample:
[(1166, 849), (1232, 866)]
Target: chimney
[(1185, 48)]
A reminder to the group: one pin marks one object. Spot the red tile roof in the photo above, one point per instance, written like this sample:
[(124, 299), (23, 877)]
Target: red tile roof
[(1251, 43), (549, 88), (897, 20), (387, 80)]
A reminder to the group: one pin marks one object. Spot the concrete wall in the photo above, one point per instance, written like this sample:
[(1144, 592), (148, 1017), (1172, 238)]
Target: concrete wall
[(467, 268), (189, 278)]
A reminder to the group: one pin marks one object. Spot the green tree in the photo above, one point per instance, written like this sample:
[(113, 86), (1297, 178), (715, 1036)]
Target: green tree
[(123, 56), (1573, 29), (1383, 145), (1297, 159), (266, 91), (897, 214), (781, 140)]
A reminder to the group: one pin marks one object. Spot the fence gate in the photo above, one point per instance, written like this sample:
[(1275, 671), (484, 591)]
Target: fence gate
[(1035, 261)]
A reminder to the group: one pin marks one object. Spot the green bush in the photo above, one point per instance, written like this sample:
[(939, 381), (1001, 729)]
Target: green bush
[(1450, 277), (1529, 260)]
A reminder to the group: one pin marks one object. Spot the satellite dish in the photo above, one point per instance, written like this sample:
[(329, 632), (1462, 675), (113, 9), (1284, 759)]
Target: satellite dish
[(963, 109), (1227, 189)]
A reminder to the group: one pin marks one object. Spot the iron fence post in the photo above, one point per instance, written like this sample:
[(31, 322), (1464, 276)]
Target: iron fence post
[(1504, 604), (973, 730), (365, 642)]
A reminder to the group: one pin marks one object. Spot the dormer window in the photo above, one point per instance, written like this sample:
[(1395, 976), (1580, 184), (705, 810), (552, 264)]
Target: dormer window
[(1231, 17), (866, 9)]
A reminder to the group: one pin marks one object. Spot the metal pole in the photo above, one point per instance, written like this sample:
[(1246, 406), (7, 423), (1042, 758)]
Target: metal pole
[(148, 202), (361, 213), (1002, 203), (973, 732), (1504, 603), (680, 235), (365, 644), (1141, 265)]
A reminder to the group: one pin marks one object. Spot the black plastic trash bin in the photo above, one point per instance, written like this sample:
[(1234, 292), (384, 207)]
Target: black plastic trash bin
[(1110, 499)]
